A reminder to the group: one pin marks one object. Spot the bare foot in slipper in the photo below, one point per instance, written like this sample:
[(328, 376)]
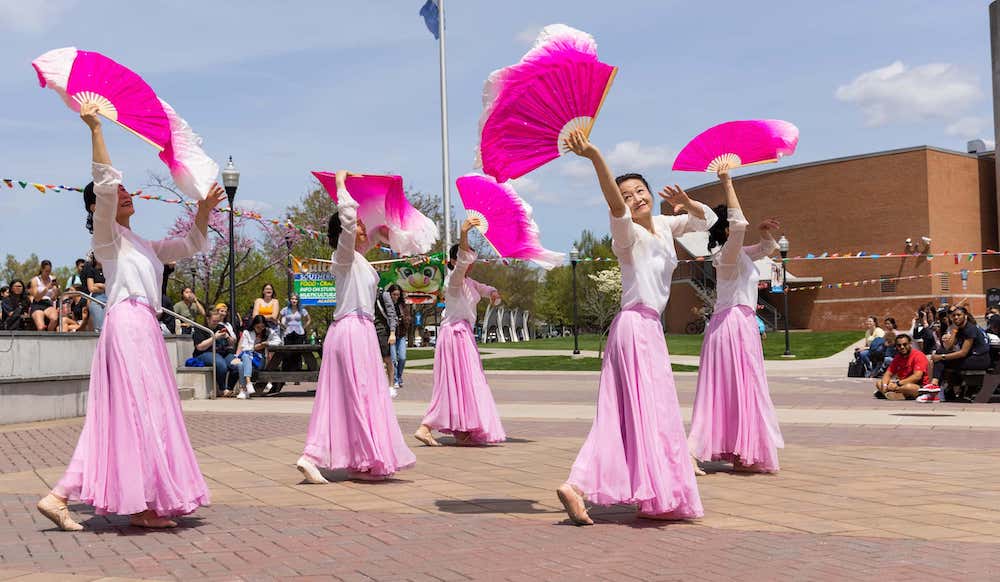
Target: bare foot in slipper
[(698, 471), (149, 519), (424, 435), (54, 508), (365, 476), (572, 501)]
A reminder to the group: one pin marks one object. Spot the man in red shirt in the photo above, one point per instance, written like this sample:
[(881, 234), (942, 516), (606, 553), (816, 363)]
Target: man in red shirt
[(909, 367)]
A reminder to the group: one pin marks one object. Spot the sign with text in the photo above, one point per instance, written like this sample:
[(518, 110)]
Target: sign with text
[(316, 289)]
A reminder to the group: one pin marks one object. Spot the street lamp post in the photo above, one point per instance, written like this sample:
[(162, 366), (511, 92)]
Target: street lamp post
[(231, 181), (574, 258), (783, 249), (288, 259)]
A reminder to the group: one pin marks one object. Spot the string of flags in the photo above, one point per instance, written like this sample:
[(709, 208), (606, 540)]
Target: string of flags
[(880, 280), (957, 257)]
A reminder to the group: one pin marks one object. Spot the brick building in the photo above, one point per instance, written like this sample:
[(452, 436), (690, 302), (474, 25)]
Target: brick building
[(871, 203)]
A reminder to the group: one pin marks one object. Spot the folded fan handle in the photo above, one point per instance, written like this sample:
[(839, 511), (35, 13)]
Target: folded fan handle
[(593, 119), (490, 243), (132, 131)]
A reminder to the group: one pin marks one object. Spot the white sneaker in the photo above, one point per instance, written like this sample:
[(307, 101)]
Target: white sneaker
[(310, 472), (242, 395), (250, 388), (268, 387), (396, 386), (393, 392)]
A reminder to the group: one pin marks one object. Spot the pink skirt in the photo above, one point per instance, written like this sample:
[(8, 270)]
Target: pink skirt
[(636, 451), (133, 453), (462, 401), (353, 424), (733, 416)]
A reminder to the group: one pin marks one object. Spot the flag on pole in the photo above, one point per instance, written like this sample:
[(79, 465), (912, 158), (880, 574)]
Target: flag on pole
[(431, 16)]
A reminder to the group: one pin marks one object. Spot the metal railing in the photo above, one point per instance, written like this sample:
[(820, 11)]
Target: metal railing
[(89, 297)]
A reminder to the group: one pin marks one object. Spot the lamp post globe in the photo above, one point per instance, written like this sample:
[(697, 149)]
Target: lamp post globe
[(231, 181)]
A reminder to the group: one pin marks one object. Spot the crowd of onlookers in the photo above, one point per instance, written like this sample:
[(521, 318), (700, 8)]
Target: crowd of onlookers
[(44, 303), (925, 362)]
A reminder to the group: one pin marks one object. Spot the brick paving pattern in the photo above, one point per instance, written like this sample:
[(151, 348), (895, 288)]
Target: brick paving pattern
[(852, 502)]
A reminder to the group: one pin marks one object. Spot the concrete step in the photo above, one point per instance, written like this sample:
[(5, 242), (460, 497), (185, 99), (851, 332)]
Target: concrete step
[(186, 393)]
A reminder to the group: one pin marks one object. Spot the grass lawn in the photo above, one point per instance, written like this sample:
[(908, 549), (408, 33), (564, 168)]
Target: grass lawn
[(557, 363), (419, 354), (805, 345)]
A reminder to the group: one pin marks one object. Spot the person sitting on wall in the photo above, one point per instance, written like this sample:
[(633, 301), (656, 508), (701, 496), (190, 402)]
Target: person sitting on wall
[(906, 373), (968, 349)]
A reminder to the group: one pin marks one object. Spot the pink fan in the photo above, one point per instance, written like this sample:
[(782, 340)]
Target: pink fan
[(386, 212), (738, 143), (530, 108), (123, 97), (507, 222)]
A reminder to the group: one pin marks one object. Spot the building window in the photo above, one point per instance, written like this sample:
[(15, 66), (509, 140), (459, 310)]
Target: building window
[(888, 284), (945, 282)]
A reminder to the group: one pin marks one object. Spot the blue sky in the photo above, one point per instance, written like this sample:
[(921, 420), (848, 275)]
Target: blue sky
[(289, 87)]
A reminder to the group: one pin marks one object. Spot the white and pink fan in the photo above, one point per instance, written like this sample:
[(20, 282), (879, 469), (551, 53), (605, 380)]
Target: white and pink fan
[(734, 144), (507, 221), (387, 213), (529, 109), (87, 77)]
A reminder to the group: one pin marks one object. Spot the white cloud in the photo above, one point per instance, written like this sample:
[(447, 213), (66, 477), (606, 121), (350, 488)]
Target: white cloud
[(576, 168), (899, 94), (632, 157), (32, 15), (970, 127), (531, 190), (528, 35)]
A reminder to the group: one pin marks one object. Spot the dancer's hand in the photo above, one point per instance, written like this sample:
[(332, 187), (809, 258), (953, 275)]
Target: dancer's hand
[(88, 113), (579, 144), (676, 197), (216, 194), (767, 225), (470, 223), (495, 298)]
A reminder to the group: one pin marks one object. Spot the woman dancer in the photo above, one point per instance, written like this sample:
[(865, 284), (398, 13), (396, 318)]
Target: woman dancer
[(353, 424), (133, 457), (733, 417), (636, 451), (462, 403)]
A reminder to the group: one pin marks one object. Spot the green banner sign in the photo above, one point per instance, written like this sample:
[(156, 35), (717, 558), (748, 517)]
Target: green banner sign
[(316, 288)]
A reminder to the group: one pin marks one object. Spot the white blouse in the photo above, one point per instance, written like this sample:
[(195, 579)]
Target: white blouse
[(462, 294), (648, 260), (249, 339), (133, 266), (736, 275), (356, 279)]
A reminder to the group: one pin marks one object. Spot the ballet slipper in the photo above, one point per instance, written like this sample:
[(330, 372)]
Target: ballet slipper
[(149, 519), (310, 472), (464, 439), (56, 510), (365, 476), (572, 501), (660, 516), (698, 471), (424, 435)]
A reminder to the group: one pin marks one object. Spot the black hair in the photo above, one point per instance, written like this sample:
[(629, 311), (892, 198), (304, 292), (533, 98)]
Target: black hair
[(81, 262), (452, 256), (4, 289), (43, 264), (717, 233), (395, 287), (89, 199), (900, 336), (253, 324), (968, 316), (24, 288), (633, 176), (891, 320), (266, 285), (333, 229)]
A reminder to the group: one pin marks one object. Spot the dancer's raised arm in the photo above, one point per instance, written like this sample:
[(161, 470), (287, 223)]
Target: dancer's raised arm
[(737, 223), (343, 227), (107, 181), (466, 256), (580, 145)]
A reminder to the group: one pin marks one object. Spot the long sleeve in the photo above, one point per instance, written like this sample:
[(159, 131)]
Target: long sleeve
[(174, 249), (765, 248), (734, 243), (347, 211), (247, 340), (106, 183), (465, 259), (684, 223), (390, 311), (483, 289), (622, 235)]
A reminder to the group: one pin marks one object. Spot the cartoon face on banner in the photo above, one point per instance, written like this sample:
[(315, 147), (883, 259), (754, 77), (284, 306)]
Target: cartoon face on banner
[(422, 282)]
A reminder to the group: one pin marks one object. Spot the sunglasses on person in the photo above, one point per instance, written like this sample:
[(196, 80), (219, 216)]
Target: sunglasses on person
[(902, 344)]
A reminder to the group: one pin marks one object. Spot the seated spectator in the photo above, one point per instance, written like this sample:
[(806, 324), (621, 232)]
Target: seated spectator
[(93, 281), (76, 280), (873, 342), (15, 307), (268, 306), (922, 330), (44, 290), (226, 372), (906, 373), (889, 343), (4, 292), (253, 343), (188, 307), (224, 317), (69, 321), (967, 349)]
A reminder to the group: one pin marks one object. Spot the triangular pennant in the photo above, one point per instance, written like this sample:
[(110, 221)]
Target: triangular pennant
[(39, 187)]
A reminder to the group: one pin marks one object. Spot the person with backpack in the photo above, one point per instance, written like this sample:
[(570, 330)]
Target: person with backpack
[(386, 322)]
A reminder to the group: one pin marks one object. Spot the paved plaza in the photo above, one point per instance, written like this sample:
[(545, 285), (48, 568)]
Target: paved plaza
[(869, 490)]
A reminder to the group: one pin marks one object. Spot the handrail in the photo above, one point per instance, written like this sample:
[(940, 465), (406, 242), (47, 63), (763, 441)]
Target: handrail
[(211, 393)]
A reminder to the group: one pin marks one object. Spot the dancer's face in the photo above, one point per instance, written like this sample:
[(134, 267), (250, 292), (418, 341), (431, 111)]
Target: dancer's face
[(125, 207), (361, 240), (637, 197)]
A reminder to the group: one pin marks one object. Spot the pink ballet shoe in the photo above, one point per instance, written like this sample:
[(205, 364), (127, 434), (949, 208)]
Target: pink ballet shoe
[(149, 519), (572, 501), (56, 510), (424, 435)]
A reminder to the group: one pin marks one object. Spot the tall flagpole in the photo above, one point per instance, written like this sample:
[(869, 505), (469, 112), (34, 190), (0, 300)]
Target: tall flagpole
[(445, 177)]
